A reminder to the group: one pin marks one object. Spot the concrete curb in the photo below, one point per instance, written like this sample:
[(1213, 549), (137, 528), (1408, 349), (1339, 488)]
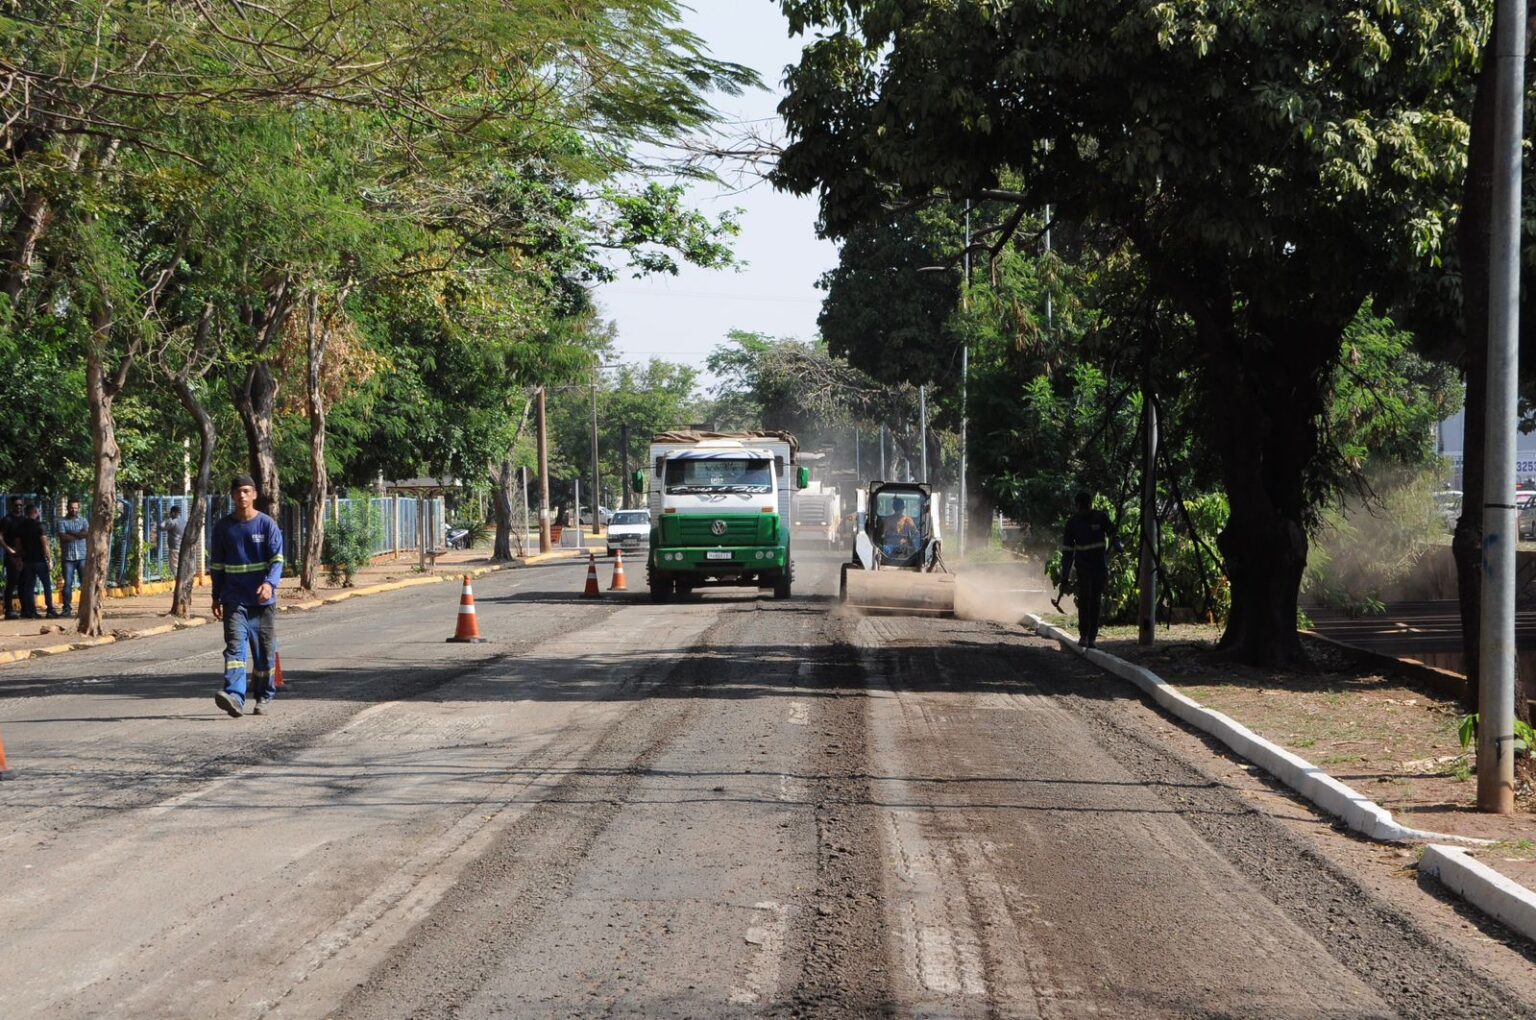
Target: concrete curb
[(1356, 811), (23, 654), (1504, 900)]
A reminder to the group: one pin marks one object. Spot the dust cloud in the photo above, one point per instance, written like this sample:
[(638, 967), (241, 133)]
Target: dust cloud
[(1003, 592)]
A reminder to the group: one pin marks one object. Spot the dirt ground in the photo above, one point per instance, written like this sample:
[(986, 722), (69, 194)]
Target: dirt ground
[(1392, 740)]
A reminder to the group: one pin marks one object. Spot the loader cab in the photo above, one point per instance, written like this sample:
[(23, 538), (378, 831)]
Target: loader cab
[(898, 522)]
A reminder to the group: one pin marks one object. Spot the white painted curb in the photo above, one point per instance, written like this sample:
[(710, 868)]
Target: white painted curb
[(1352, 808), (1501, 898)]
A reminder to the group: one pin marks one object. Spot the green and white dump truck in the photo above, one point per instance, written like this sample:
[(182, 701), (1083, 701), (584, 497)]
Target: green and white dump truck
[(722, 505)]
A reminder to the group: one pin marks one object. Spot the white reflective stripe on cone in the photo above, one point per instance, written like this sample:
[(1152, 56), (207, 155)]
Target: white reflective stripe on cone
[(467, 609)]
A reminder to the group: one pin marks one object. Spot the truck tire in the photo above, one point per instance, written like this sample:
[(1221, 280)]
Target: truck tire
[(842, 583), (781, 585), (661, 588)]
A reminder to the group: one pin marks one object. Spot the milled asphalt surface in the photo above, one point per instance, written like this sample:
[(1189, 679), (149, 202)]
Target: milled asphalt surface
[(726, 807)]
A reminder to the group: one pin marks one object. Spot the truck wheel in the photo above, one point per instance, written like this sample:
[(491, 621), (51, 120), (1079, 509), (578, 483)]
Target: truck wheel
[(842, 583), (661, 588), (781, 586)]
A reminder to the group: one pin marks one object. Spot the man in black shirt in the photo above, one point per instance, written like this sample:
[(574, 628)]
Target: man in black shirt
[(8, 525), (1086, 544), (36, 563)]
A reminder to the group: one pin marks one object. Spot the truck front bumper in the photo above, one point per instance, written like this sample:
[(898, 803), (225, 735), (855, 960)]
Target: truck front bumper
[(720, 561)]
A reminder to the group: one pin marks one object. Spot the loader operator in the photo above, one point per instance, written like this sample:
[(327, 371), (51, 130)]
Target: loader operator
[(898, 532), (1086, 544)]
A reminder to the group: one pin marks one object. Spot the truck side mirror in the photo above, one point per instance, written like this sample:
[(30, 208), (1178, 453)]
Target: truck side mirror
[(802, 477), (637, 482)]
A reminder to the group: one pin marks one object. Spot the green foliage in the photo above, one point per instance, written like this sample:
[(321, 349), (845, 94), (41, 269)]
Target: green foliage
[(1466, 731), (449, 217), (349, 541), (1265, 169), (1191, 570)]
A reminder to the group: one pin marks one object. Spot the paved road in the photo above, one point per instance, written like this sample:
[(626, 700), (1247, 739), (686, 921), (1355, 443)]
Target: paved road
[(726, 807)]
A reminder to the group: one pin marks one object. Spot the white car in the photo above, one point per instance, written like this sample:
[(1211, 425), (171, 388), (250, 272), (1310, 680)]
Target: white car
[(629, 530)]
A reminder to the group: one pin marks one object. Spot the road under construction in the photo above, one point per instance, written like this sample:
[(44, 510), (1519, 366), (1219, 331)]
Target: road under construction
[(725, 806)]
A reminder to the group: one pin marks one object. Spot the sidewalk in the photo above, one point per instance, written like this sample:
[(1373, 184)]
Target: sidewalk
[(1385, 733), (145, 615)]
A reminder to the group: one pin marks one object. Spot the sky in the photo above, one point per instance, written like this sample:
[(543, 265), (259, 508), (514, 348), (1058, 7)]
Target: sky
[(682, 318)]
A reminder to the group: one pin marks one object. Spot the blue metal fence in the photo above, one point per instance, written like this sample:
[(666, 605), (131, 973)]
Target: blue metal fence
[(141, 548)]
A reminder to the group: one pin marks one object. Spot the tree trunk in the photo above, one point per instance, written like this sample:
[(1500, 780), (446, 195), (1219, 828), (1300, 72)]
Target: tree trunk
[(193, 540), (255, 399), (22, 246), (100, 393), (318, 334), (1266, 393), (502, 493), (255, 394), (501, 482)]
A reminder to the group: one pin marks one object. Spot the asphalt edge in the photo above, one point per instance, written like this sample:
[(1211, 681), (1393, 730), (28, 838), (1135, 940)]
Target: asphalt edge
[(23, 654), (1501, 898), (1358, 812)]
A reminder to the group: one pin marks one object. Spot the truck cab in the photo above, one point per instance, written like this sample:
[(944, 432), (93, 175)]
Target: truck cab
[(721, 505)]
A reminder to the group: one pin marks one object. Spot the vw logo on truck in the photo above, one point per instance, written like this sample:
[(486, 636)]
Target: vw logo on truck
[(718, 527)]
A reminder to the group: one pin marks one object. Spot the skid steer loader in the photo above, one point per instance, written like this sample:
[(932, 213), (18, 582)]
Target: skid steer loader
[(896, 565)]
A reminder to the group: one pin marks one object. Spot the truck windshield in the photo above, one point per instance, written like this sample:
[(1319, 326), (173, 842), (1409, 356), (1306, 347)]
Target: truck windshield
[(742, 475)]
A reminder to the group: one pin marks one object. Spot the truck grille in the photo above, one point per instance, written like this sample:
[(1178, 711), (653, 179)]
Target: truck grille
[(696, 530)]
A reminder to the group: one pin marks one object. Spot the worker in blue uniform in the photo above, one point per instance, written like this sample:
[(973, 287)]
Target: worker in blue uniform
[(246, 566), (1086, 544)]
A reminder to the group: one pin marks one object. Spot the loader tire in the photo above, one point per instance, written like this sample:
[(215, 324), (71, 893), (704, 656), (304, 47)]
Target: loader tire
[(842, 584)]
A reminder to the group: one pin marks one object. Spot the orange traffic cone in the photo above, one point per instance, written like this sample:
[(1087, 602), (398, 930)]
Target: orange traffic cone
[(5, 770), (277, 670), (592, 590), (468, 631), (618, 572)]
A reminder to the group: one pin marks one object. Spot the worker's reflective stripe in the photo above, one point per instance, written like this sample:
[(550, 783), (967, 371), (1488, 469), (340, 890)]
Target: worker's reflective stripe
[(1085, 548), (234, 664), (215, 566), (249, 568)]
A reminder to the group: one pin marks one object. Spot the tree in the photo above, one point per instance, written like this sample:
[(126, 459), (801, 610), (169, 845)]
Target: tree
[(1272, 165)]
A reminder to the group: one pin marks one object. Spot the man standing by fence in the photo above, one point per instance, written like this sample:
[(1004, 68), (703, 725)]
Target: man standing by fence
[(10, 543), (72, 529), (170, 536), (246, 566)]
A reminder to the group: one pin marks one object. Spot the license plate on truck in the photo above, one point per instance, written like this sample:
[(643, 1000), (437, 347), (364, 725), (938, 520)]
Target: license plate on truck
[(717, 554)]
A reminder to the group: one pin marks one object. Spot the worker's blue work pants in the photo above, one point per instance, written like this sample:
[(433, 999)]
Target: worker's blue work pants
[(250, 643)]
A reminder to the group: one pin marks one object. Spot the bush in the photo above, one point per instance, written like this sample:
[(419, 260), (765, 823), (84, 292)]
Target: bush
[(1191, 575), (1364, 549), (349, 542)]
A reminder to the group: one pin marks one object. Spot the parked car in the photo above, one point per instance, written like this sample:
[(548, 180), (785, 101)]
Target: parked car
[(629, 530), (1448, 503), (1525, 512)]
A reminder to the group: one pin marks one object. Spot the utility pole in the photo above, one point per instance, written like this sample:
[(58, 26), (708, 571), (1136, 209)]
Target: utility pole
[(1496, 645), (922, 414), (965, 374), (858, 469), (597, 482), (543, 425), (882, 453), (624, 486)]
